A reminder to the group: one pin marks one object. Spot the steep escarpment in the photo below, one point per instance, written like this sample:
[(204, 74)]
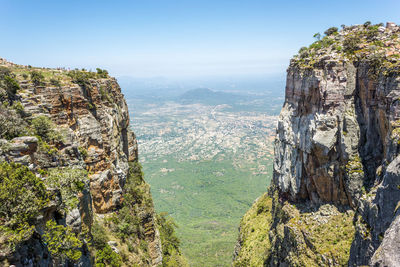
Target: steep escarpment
[(71, 187), (335, 190)]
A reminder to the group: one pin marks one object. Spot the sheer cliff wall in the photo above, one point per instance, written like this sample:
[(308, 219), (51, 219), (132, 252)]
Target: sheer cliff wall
[(335, 189), (70, 121)]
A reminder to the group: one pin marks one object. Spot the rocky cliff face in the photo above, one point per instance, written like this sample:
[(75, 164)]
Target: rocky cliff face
[(71, 129), (335, 189), (94, 118)]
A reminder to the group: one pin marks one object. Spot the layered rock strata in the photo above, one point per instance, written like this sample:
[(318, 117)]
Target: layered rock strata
[(336, 154), (91, 116)]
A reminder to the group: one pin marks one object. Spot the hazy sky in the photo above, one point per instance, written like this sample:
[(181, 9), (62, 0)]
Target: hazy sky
[(174, 38)]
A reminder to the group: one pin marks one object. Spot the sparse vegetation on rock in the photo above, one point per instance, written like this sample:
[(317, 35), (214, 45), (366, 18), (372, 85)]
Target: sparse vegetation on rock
[(336, 170), (170, 242), (55, 123), (23, 196), (253, 247), (37, 78), (70, 182), (62, 243)]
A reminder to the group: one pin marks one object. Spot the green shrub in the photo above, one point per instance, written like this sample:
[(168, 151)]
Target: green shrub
[(169, 240), (144, 246), (19, 108), (331, 30), (44, 127), (317, 36), (339, 48), (135, 189), (175, 259), (316, 45), (11, 86), (70, 181), (90, 105), (8, 83), (104, 95), (4, 71), (11, 124), (327, 41), (102, 73), (367, 23), (46, 148), (376, 63), (83, 152), (303, 49), (12, 237), (126, 224), (303, 52), (37, 78), (351, 44), (99, 236), (22, 195), (372, 32), (107, 257), (55, 82), (62, 242), (81, 77)]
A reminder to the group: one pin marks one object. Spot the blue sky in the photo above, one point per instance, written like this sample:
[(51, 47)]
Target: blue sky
[(174, 38)]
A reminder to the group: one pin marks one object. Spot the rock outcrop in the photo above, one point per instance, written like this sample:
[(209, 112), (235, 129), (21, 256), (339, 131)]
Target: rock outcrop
[(75, 125), (336, 154)]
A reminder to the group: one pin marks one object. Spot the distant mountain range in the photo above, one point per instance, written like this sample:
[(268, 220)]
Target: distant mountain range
[(167, 89), (209, 97)]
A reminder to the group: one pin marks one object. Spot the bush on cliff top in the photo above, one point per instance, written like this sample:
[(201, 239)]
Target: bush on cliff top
[(102, 73), (358, 43), (331, 30), (82, 77)]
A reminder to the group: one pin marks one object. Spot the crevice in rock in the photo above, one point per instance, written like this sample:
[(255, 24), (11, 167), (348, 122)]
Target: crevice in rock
[(370, 146), (125, 143)]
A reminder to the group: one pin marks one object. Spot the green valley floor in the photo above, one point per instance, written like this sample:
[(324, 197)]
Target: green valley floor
[(206, 165)]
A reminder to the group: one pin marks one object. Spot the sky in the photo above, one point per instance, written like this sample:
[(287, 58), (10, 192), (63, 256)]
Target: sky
[(172, 38)]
